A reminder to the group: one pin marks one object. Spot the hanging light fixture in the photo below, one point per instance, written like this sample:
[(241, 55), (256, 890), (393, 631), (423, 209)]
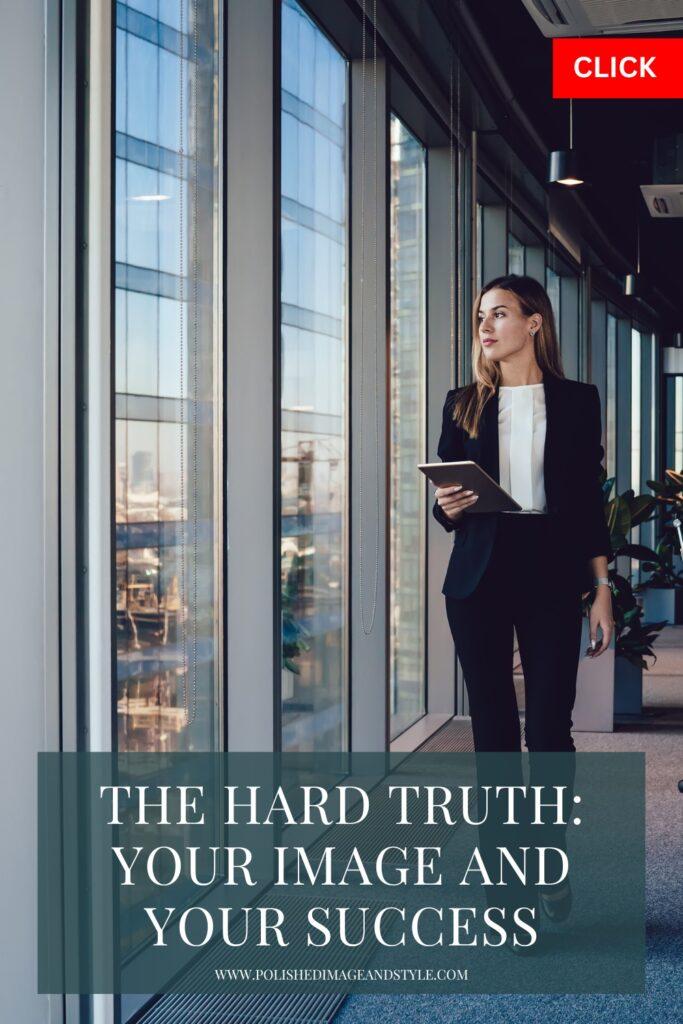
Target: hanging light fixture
[(564, 164), (631, 285), (632, 282)]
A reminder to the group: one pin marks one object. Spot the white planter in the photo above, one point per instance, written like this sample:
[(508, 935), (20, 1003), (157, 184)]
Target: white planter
[(628, 688), (594, 705)]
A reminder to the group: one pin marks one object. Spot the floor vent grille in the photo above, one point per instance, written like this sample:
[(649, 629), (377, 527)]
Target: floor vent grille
[(455, 736), (243, 1009)]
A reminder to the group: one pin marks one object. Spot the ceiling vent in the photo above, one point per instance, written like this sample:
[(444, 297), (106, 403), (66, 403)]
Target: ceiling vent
[(606, 17)]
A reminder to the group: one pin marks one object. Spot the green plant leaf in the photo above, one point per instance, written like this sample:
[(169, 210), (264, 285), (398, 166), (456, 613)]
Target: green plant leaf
[(622, 523), (639, 552), (641, 507)]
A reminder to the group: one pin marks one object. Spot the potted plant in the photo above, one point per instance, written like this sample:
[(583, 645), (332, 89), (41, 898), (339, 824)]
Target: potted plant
[(613, 683), (663, 590)]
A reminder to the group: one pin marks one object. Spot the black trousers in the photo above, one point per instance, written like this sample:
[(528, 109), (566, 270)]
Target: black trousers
[(519, 590)]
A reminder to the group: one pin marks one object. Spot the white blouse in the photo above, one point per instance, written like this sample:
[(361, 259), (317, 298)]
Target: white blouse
[(521, 444)]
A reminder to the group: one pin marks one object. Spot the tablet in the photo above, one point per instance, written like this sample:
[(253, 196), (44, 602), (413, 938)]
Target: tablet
[(492, 497)]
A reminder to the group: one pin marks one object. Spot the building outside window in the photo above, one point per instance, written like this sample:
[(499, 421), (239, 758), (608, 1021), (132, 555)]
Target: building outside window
[(166, 280), (167, 485), (407, 353), (314, 369)]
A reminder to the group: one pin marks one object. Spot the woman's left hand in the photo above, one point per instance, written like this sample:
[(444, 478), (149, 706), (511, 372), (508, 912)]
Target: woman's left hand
[(601, 616)]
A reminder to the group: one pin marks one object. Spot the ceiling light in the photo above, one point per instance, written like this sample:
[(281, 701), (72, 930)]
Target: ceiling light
[(564, 164), (630, 284)]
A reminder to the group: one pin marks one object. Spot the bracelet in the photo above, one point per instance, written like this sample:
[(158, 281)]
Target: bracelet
[(604, 580)]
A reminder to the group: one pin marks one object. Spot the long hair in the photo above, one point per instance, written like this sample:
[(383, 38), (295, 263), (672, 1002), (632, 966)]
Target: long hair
[(532, 298)]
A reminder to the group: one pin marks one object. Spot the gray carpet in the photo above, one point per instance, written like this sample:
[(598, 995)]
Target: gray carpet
[(663, 1001)]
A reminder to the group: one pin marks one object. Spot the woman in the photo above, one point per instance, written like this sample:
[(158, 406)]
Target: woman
[(537, 434)]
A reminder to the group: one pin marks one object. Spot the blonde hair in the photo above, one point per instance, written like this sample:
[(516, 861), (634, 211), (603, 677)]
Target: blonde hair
[(532, 298)]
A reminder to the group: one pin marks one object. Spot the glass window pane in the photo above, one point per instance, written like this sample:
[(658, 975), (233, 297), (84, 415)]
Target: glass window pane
[(407, 512), (516, 262), (552, 284), (480, 247), (142, 71), (678, 423), (166, 451), (611, 415), (635, 410), (635, 421), (314, 355)]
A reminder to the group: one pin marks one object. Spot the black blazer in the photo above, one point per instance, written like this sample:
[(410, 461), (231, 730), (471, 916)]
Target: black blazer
[(571, 465)]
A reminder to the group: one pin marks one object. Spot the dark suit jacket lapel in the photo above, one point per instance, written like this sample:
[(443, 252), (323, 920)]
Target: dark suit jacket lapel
[(552, 386)]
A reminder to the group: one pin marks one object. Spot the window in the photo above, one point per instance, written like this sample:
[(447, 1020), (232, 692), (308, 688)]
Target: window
[(649, 422), (407, 511), (678, 424), (314, 357), (516, 261), (479, 269), (635, 420), (552, 285), (167, 454), (635, 410), (562, 285), (611, 413)]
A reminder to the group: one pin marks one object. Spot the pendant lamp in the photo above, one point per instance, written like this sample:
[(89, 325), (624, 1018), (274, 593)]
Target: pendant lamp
[(632, 282), (564, 165)]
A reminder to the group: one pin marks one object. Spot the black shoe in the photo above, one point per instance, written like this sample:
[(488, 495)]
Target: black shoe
[(557, 905)]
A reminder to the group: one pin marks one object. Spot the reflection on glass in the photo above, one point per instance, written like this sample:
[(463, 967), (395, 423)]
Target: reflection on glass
[(407, 513), (611, 412), (166, 278), (516, 263), (314, 565)]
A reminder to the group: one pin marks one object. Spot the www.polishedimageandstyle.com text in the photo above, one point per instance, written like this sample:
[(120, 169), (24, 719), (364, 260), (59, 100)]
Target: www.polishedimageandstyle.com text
[(355, 974)]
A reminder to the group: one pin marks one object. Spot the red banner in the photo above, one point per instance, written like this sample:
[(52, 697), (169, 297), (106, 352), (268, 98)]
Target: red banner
[(617, 69)]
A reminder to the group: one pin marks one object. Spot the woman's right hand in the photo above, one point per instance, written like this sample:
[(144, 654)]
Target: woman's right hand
[(454, 501)]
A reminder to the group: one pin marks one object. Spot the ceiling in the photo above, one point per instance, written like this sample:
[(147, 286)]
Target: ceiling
[(616, 137)]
